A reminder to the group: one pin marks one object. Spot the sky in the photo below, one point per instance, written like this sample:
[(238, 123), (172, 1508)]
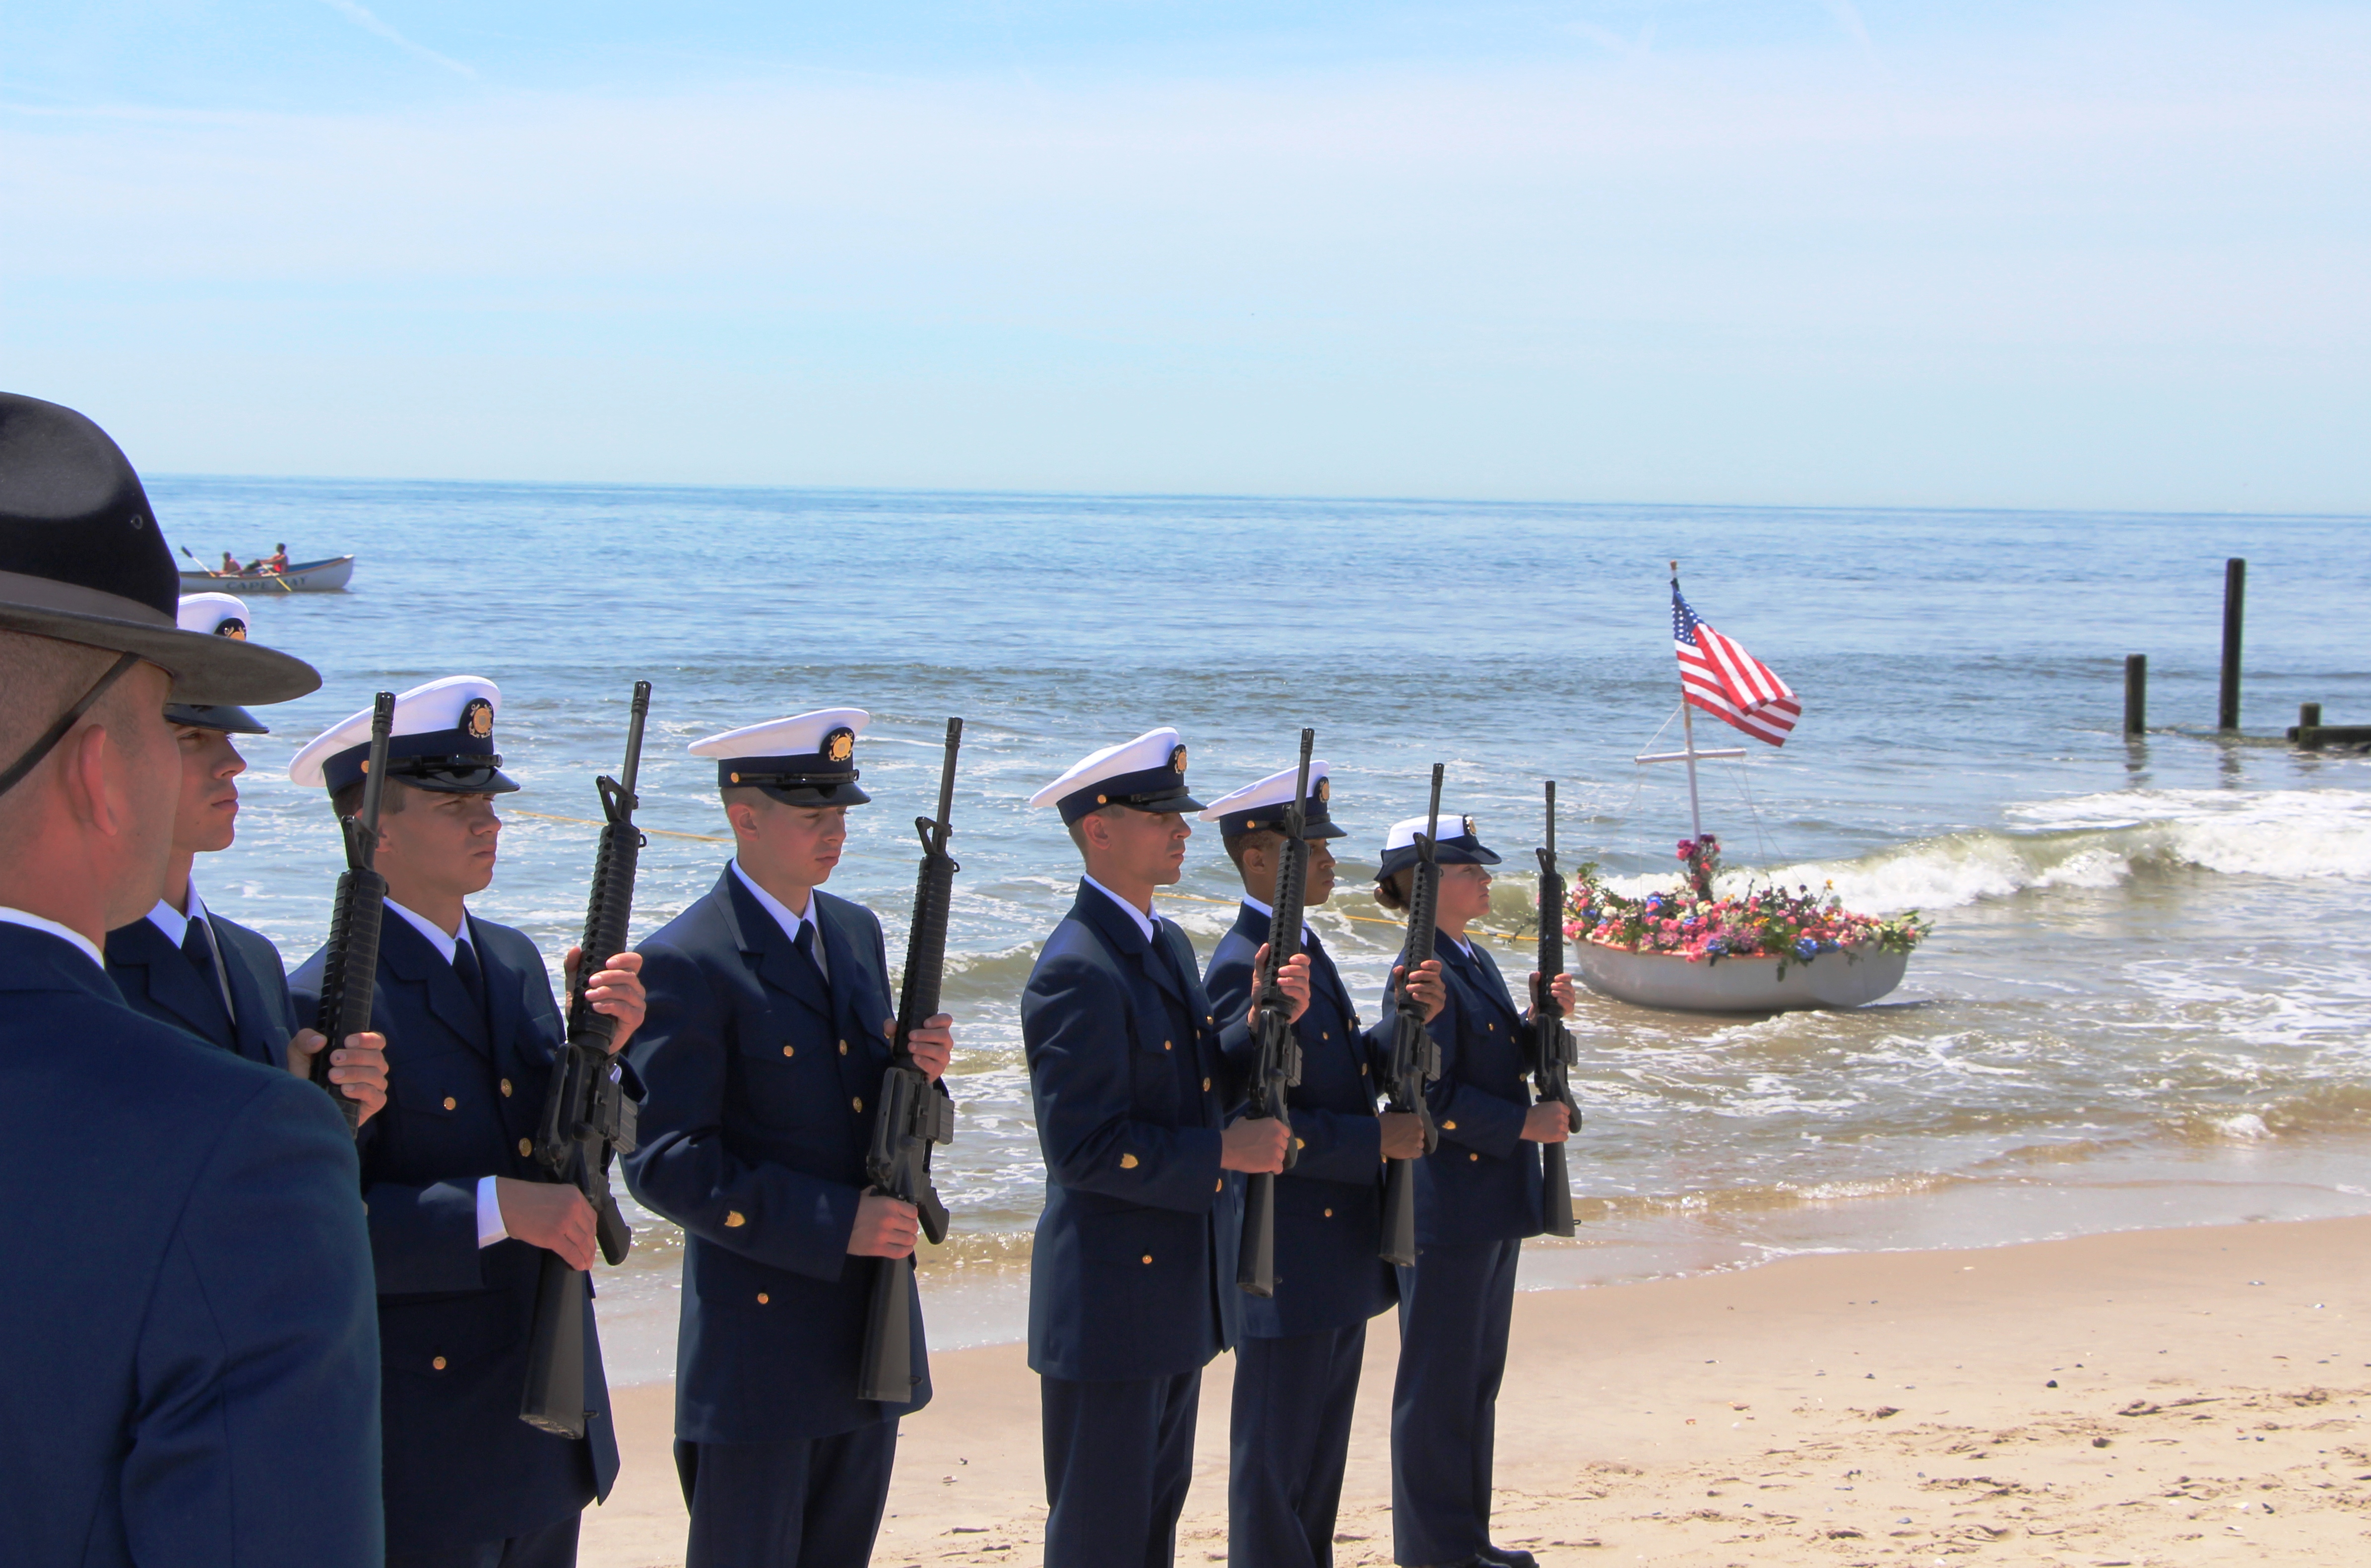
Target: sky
[(1794, 252)]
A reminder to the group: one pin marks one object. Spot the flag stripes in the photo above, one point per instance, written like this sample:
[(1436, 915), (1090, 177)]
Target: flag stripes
[(1719, 676)]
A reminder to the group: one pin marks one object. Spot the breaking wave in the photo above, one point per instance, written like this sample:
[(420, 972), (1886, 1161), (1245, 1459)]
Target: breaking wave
[(2095, 841)]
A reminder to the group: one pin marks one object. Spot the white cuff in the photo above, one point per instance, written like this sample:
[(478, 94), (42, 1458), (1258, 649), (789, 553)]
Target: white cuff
[(490, 1229)]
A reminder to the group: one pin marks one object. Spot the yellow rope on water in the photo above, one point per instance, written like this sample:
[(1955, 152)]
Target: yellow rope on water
[(588, 822)]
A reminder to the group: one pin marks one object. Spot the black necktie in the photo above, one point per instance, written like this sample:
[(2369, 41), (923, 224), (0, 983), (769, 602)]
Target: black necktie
[(804, 942), (473, 979), (197, 946)]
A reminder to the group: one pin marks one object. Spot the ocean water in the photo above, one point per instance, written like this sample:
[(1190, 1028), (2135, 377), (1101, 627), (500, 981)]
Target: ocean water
[(2143, 1004)]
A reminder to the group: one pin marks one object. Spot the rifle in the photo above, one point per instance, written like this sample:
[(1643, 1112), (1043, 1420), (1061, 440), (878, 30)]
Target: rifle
[(1553, 1050), (350, 962), (1278, 1067), (1415, 1056), (587, 1118), (914, 1113)]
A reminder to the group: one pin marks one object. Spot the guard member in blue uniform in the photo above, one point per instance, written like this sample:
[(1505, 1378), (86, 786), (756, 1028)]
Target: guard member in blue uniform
[(188, 1363), (769, 1027), (190, 965), (457, 1205), (1477, 1197), (1131, 1281), (1297, 1363)]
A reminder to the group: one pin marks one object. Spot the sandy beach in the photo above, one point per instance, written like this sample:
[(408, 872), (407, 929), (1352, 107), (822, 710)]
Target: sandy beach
[(2152, 1397)]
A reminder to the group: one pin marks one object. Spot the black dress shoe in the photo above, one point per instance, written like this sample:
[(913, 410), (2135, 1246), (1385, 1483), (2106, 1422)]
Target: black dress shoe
[(1513, 1556)]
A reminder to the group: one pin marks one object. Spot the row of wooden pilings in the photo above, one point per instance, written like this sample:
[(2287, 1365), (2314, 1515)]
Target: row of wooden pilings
[(2309, 732)]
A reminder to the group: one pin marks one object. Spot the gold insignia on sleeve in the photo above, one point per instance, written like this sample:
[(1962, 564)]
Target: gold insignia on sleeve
[(840, 744), (1177, 759), (478, 718)]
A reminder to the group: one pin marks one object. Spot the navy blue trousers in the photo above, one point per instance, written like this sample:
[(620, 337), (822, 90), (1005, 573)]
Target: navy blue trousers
[(801, 1502), (1455, 1305), (1291, 1441), (1120, 1455), (554, 1546)]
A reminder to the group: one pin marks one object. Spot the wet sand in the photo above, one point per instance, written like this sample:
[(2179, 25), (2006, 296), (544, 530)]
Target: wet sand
[(2154, 1397)]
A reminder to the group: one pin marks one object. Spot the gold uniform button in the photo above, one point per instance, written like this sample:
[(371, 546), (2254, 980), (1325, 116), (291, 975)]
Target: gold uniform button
[(734, 1220), (437, 1361), (1473, 1157), (526, 1147), (1127, 1162), (843, 1047), (763, 1298), (1206, 1086), (506, 1089), (858, 1101), (1449, 1126), (1362, 1069), (1329, 1214), (788, 1049), (1165, 1044), (1148, 1257), (1221, 1186), (1494, 1029), (1301, 1143), (1324, 1034), (451, 1103)]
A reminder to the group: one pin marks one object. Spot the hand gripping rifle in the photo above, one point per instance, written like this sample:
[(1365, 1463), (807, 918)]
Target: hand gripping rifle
[(1553, 1050), (350, 963), (1415, 1056), (587, 1118), (914, 1113), (1278, 1067)]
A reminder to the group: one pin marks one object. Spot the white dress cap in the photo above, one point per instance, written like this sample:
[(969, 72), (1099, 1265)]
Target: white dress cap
[(1147, 773), (1276, 789), (217, 614), (442, 705), (800, 736)]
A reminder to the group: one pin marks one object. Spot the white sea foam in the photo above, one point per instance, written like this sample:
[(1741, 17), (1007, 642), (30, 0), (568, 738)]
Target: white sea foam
[(2091, 841)]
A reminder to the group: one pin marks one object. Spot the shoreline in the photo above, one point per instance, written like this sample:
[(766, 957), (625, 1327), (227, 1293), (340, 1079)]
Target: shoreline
[(2196, 1394)]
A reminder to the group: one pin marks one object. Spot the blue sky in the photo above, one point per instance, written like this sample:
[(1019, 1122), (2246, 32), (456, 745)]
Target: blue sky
[(1799, 253)]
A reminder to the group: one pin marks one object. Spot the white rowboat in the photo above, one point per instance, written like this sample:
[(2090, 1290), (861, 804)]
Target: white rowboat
[(1737, 985), (305, 577)]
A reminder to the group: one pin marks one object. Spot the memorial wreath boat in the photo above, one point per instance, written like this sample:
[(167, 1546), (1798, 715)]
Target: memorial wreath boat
[(327, 576), (1761, 947)]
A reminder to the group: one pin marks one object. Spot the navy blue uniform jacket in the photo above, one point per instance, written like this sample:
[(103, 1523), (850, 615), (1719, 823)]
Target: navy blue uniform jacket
[(463, 1096), (1329, 1211), (189, 1362), (156, 980), (764, 1083), (1483, 1182), (1133, 1273)]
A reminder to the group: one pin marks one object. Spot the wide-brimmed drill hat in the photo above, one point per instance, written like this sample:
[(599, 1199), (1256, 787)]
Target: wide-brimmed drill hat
[(82, 560)]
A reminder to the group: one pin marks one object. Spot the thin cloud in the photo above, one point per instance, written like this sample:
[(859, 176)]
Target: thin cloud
[(363, 18)]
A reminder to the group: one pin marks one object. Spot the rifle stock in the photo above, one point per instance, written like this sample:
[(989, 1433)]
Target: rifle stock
[(349, 962), (587, 1118), (1553, 1050), (1277, 1066), (913, 1114), (1416, 1056)]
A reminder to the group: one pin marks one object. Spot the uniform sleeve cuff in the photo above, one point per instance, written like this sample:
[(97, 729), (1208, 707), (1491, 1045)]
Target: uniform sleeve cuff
[(490, 1229)]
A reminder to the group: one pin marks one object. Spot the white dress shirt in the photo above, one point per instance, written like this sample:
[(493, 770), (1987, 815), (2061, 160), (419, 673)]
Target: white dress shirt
[(33, 922), (785, 917), (491, 1228), (1145, 922)]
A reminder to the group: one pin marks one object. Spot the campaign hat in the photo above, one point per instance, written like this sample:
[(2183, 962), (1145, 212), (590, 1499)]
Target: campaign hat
[(808, 759), (214, 615), (1260, 807), (1456, 844), (1147, 774), (83, 561), (442, 739)]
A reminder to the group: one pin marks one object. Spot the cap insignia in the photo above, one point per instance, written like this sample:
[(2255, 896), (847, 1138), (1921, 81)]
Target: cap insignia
[(1324, 791), (1177, 759), (478, 718), (234, 629), (840, 744), (1469, 827)]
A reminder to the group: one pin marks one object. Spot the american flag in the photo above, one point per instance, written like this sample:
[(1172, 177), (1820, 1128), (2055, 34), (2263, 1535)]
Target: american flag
[(1719, 676)]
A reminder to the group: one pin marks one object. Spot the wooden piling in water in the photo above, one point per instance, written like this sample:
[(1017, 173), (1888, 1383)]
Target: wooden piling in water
[(2136, 694), (2235, 596)]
